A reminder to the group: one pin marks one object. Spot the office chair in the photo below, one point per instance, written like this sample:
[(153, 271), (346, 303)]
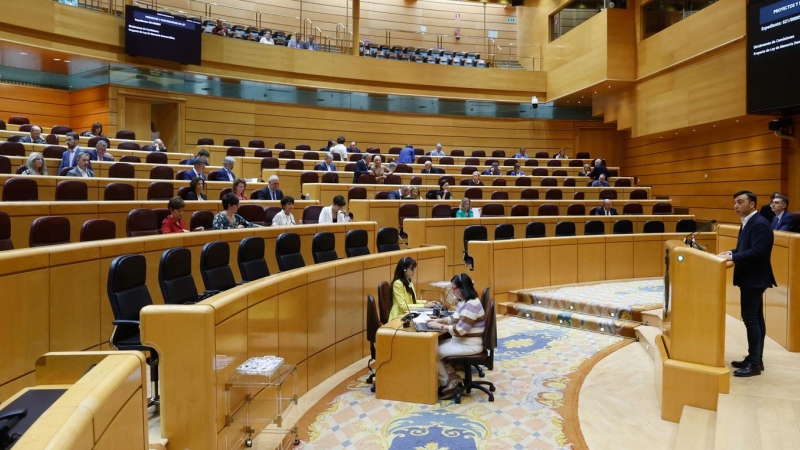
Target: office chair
[(176, 280), (252, 264), (215, 267), (473, 233), (479, 358)]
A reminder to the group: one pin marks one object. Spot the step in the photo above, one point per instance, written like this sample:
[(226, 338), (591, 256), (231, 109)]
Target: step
[(696, 430), (753, 423), (654, 318), (573, 320), (647, 338), (586, 300)]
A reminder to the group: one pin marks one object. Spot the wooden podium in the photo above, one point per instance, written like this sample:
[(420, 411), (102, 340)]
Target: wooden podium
[(406, 364), (692, 346)]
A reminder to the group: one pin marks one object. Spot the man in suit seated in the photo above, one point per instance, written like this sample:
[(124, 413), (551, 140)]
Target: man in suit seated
[(437, 151), (327, 165), (70, 157), (783, 220), (522, 154), (81, 168), (99, 153), (271, 192), (599, 169), (35, 137), (517, 172), (400, 194), (226, 173), (362, 166), (198, 170), (353, 148), (157, 146), (606, 210), (494, 170), (601, 182), (202, 154), (428, 168)]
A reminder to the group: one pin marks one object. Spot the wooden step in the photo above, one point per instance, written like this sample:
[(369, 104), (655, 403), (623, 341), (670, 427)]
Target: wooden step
[(647, 338), (573, 320), (654, 318), (746, 422), (696, 430)]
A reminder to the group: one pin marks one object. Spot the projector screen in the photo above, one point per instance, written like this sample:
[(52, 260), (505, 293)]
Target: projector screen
[(160, 35), (773, 57)]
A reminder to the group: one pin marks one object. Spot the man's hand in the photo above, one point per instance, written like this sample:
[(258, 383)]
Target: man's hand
[(727, 256)]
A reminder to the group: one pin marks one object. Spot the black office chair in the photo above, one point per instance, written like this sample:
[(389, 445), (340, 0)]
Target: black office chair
[(215, 266), (623, 226), (473, 233), (323, 247), (373, 323), (503, 232), (388, 240), (565, 229), (653, 226), (535, 230), (176, 280), (686, 226), (252, 264), (287, 252), (355, 243), (594, 227), (128, 294), (486, 355)]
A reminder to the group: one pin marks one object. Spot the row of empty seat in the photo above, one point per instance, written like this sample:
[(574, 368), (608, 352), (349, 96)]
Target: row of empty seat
[(421, 55)]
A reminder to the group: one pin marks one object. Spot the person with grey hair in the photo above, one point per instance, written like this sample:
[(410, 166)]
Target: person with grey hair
[(327, 165), (271, 192), (81, 168), (100, 152), (226, 173), (362, 167), (35, 165), (353, 148), (437, 151), (157, 146), (35, 137), (400, 194)]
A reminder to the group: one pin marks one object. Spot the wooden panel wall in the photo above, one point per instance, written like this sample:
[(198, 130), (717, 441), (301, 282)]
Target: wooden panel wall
[(48, 107), (702, 170)]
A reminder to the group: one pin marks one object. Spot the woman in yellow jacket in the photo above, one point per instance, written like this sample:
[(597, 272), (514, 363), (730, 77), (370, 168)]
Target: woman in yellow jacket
[(404, 296)]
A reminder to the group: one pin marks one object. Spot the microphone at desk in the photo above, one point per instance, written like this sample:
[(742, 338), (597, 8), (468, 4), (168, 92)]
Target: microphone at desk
[(690, 239)]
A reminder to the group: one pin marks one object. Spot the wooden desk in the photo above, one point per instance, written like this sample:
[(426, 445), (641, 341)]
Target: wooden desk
[(406, 364)]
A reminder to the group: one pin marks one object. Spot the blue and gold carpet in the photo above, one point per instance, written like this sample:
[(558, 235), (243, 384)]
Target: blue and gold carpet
[(538, 372)]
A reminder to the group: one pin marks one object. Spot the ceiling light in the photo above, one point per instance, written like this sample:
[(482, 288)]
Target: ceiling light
[(23, 53), (56, 59), (66, 60)]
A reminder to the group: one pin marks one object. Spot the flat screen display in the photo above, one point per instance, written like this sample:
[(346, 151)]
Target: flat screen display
[(773, 57), (160, 35)]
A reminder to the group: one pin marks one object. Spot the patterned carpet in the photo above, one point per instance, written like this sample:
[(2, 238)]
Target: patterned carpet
[(538, 372)]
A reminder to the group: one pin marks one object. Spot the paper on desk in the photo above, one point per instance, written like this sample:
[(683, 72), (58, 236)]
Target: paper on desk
[(422, 318)]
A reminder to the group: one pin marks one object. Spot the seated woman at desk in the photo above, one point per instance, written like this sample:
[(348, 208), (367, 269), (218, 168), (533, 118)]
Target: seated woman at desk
[(35, 165), (466, 328), (378, 171), (238, 188), (444, 191), (196, 187), (465, 209), (228, 219), (404, 296)]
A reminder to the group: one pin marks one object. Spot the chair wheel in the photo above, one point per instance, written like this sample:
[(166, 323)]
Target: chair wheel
[(491, 388), (458, 400), (491, 398), (372, 388)]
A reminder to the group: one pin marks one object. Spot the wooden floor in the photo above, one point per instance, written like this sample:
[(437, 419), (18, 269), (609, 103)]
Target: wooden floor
[(618, 409)]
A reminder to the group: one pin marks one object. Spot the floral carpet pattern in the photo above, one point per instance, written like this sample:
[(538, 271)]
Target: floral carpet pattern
[(538, 371)]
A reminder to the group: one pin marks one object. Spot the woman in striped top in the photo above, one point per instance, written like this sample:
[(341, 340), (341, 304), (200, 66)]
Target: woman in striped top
[(466, 328)]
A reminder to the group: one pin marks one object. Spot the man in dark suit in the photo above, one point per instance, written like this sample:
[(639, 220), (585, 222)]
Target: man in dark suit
[(599, 169), (600, 182), (35, 137), (73, 150), (198, 170), (362, 166), (271, 192), (327, 165), (783, 220), (606, 210), (400, 194), (428, 168), (752, 272)]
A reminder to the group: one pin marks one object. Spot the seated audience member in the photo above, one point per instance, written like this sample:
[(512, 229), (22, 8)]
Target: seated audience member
[(391, 167), (311, 44), (783, 220), (522, 154), (465, 326), (336, 212), (157, 146), (228, 219), (340, 148), (465, 208), (202, 154), (517, 172), (404, 296), (561, 154), (494, 170), (428, 168), (407, 155), (271, 192), (328, 147), (196, 187), (437, 151), (600, 182), (35, 165), (198, 170), (221, 29), (226, 172), (70, 156), (266, 39), (587, 169), (96, 131), (415, 193), (353, 148), (400, 194), (378, 171), (362, 167), (100, 152), (239, 187), (444, 191), (327, 165), (174, 223), (81, 168), (599, 169), (766, 210), (35, 137), (476, 179), (284, 217), (606, 210), (296, 41)]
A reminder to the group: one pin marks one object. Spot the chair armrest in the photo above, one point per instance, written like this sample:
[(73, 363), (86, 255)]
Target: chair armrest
[(206, 295)]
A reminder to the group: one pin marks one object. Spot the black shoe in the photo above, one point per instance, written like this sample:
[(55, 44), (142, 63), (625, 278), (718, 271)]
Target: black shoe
[(749, 370), (743, 362)]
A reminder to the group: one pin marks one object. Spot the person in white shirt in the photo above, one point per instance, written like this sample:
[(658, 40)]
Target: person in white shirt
[(438, 151), (266, 39), (340, 148), (561, 154), (297, 42), (336, 212), (285, 217), (81, 168)]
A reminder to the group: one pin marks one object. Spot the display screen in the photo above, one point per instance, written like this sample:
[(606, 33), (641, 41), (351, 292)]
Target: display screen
[(160, 35), (773, 57)]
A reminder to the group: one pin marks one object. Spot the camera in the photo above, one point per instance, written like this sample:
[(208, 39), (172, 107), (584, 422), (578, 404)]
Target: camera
[(534, 102)]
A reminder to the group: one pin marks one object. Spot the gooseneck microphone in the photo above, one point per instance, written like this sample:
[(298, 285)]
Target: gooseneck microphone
[(689, 240)]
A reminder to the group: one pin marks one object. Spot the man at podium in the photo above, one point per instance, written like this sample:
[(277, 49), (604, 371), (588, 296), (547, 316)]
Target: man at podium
[(752, 272)]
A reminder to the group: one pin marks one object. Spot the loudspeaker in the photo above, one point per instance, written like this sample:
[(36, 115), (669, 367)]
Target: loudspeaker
[(517, 2)]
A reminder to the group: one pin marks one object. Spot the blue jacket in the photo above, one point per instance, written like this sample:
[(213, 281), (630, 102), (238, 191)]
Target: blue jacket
[(190, 175), (395, 195), (93, 156), (324, 167), (225, 175), (361, 168), (751, 257), (65, 159), (787, 222), (407, 156)]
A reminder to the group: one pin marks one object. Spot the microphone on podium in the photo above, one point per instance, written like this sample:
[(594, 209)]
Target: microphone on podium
[(689, 240)]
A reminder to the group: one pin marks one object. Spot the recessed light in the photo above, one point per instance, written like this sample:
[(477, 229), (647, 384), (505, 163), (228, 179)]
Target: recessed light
[(714, 126), (676, 132), (595, 92), (694, 130), (23, 53), (66, 60), (581, 96), (56, 59), (609, 87), (737, 120), (579, 101), (661, 137)]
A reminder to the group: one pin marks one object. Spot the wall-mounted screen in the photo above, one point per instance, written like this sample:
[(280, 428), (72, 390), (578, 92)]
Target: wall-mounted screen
[(160, 35)]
